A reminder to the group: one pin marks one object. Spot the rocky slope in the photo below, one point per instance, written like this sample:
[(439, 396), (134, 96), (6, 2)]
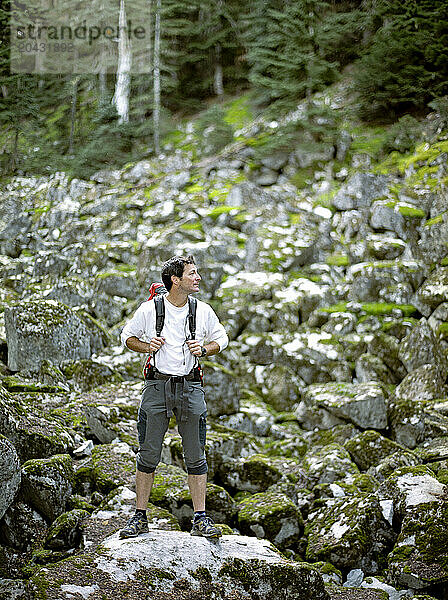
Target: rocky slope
[(328, 414)]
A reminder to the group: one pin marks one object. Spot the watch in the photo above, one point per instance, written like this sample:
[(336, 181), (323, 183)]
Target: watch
[(203, 351)]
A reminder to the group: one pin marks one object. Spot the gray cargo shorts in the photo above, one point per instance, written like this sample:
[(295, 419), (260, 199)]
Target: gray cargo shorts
[(160, 399)]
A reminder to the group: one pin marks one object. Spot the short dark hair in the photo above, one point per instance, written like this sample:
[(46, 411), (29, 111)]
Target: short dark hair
[(175, 266)]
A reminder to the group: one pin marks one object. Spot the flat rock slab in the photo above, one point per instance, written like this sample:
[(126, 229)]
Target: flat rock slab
[(232, 567), (362, 404)]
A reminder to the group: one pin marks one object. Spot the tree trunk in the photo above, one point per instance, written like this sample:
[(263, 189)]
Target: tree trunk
[(122, 86), (73, 115), (156, 113), (218, 79)]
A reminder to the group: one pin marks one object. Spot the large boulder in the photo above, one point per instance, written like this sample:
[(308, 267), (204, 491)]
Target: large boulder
[(22, 526), (44, 329), (384, 281), (419, 559), (413, 422), (222, 391), (221, 446), (66, 531), (360, 191), (273, 516), (349, 533), (258, 472), (47, 484), (434, 289), (362, 404), (412, 486), (108, 467), (10, 474), (328, 464), (421, 347), (369, 448), (177, 563)]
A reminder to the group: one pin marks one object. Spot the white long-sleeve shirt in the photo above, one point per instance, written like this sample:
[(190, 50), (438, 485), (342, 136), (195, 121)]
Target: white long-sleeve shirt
[(174, 357)]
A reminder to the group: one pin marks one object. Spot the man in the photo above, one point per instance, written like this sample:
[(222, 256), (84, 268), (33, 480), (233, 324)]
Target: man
[(173, 385)]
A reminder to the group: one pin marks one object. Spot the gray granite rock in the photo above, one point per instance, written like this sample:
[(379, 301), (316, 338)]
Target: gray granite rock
[(10, 474), (222, 390), (360, 191), (47, 484), (237, 565), (22, 526), (421, 347), (41, 330), (362, 404), (350, 533)]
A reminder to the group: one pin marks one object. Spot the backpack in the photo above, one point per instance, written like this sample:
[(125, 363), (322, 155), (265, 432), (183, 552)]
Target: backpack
[(156, 293)]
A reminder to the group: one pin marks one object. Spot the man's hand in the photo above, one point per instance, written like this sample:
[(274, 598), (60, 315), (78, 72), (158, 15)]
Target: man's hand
[(194, 347), (155, 344)]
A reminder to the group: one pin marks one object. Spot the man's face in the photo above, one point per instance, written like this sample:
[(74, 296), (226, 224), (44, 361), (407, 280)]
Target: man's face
[(189, 282)]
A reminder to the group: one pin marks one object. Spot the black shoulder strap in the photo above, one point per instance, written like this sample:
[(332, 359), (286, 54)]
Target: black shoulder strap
[(192, 305), (160, 313)]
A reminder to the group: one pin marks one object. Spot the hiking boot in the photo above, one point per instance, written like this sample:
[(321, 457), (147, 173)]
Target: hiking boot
[(136, 524), (204, 526)]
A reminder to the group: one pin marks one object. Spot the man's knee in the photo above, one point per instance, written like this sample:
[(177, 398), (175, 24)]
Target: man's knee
[(197, 467), (145, 469)]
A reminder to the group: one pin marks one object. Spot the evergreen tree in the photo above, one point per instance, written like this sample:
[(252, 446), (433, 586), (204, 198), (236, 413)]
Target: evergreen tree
[(406, 64), (286, 63)]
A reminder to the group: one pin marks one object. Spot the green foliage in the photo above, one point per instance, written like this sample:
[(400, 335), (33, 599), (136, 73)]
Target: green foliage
[(286, 63), (213, 131), (406, 64), (403, 135), (317, 129), (110, 145)]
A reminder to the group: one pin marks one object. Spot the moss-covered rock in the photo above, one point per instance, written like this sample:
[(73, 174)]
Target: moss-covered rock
[(44, 329), (362, 404), (387, 348), (66, 531), (47, 484), (258, 472), (353, 485), (336, 435), (33, 431), (328, 464), (367, 449), (109, 466), (13, 589), (409, 487), (424, 383), (371, 368), (222, 445), (329, 573), (421, 347), (280, 388), (176, 563), (392, 463), (272, 516), (369, 280), (10, 474), (434, 290), (255, 416), (420, 557), (86, 374), (413, 421), (360, 191), (222, 390), (349, 533), (22, 527), (339, 592)]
